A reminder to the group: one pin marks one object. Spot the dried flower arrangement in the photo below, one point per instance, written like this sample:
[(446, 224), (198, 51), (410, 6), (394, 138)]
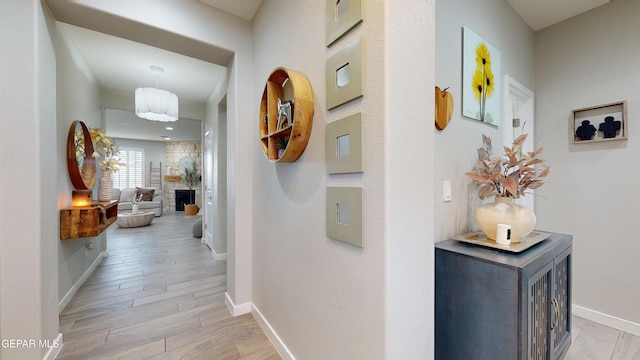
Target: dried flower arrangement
[(107, 149), (511, 175)]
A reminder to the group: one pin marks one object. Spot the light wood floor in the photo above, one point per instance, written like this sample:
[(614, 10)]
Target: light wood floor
[(159, 295)]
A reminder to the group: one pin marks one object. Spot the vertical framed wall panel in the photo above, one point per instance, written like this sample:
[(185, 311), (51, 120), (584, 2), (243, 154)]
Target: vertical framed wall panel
[(344, 145), (344, 214), (344, 74), (342, 16)]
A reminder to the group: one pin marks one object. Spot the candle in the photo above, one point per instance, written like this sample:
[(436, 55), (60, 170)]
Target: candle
[(81, 198), (503, 234)]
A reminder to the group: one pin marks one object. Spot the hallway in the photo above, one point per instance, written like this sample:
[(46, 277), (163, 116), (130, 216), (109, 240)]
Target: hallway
[(158, 295)]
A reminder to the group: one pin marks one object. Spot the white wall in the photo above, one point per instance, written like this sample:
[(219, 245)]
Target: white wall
[(28, 154), (409, 177), (78, 95), (323, 297), (456, 145), (326, 299), (239, 173), (592, 193)]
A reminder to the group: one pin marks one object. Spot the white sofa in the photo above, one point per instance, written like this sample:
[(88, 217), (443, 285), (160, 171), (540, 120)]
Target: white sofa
[(125, 203)]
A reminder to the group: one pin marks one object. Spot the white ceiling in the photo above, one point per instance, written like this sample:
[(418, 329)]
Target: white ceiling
[(122, 65), (244, 9), (539, 14)]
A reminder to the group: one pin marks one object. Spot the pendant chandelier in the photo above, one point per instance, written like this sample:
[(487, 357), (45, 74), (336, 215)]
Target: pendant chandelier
[(156, 104)]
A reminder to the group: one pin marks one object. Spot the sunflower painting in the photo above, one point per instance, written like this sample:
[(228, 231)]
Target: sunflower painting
[(481, 79)]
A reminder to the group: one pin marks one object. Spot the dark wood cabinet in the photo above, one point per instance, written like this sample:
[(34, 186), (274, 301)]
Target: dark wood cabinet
[(492, 304)]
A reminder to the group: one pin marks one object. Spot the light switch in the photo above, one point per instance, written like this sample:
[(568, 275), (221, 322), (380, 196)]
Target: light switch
[(447, 191)]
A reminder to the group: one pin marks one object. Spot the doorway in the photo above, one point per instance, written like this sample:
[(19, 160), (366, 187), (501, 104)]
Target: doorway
[(219, 42), (519, 118)]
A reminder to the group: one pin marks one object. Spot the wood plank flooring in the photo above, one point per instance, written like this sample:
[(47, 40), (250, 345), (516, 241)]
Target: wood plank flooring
[(159, 295)]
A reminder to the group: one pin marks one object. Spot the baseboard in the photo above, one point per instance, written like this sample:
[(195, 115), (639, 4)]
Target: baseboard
[(74, 289), (217, 256), (236, 310), (605, 319), (277, 342), (55, 348)]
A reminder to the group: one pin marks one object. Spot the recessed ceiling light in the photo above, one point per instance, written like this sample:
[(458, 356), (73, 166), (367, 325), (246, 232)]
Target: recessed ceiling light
[(169, 128), (125, 124), (165, 137)]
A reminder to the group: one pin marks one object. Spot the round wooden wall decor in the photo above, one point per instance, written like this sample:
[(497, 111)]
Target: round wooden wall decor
[(444, 108), (286, 115)]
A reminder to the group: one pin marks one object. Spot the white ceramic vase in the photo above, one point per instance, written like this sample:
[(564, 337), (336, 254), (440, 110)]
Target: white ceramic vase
[(135, 208), (504, 211), (105, 187)]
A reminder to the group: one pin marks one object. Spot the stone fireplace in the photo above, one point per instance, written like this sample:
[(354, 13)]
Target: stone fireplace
[(176, 151)]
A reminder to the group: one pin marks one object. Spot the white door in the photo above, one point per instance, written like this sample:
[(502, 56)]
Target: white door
[(519, 119), (220, 184), (208, 188)]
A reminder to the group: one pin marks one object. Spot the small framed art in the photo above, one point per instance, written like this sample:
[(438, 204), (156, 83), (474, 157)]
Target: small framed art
[(599, 123), (481, 79)]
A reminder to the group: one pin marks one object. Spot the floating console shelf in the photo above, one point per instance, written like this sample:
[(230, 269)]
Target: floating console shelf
[(89, 221)]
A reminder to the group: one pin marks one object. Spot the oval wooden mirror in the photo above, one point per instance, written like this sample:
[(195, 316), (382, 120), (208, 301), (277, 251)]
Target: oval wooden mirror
[(82, 166)]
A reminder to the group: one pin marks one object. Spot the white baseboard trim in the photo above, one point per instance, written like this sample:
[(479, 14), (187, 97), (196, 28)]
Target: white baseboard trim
[(280, 346), (55, 348), (218, 257), (74, 289), (605, 319), (236, 310)]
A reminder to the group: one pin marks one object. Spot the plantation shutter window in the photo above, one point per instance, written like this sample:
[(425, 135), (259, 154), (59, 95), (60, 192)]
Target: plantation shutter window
[(130, 175)]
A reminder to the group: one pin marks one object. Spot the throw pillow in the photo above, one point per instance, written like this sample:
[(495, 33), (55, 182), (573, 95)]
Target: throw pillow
[(147, 194)]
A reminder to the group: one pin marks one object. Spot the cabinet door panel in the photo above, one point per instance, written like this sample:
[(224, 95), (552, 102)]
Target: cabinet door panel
[(539, 306), (561, 329)]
